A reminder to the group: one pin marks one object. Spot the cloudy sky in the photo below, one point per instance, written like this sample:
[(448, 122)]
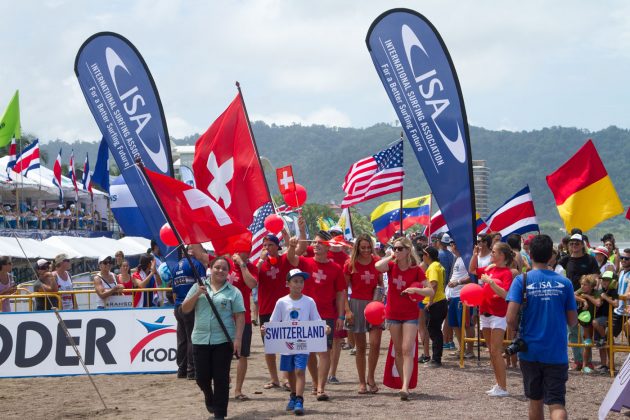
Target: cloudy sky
[(522, 65)]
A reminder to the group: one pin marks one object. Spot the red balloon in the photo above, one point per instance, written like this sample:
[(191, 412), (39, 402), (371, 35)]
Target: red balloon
[(472, 294), (168, 236), (297, 198), (375, 313), (274, 223)]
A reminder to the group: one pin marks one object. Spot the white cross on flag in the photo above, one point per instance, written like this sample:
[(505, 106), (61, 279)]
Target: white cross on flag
[(226, 166), (286, 182), (198, 218)]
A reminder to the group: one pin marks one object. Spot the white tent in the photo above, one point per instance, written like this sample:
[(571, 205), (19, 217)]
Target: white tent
[(74, 247)]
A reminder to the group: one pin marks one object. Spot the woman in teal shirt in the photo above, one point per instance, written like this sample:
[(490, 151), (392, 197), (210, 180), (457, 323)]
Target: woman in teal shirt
[(212, 350)]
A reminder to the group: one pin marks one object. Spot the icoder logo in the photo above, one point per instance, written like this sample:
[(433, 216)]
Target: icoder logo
[(154, 330)]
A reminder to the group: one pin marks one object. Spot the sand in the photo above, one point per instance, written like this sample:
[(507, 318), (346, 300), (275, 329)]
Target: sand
[(444, 393)]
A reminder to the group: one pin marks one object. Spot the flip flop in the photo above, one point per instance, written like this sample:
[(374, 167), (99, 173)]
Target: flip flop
[(286, 386), (241, 397), (322, 396), (372, 388), (363, 391), (271, 385)]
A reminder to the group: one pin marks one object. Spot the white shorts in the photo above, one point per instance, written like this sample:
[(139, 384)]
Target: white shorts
[(493, 322)]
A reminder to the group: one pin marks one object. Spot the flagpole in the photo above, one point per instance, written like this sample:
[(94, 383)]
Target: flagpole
[(401, 198), (430, 215), (350, 221), (251, 134)]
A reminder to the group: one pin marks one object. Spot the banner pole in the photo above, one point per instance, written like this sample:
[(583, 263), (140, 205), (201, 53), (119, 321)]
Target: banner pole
[(430, 216), (251, 134), (401, 196)]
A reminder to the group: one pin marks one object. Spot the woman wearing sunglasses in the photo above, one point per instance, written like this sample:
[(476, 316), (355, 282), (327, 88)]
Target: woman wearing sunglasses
[(363, 278), (403, 270)]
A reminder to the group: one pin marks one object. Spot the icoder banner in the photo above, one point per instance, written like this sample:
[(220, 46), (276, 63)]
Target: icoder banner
[(123, 98), (419, 77), (110, 341)]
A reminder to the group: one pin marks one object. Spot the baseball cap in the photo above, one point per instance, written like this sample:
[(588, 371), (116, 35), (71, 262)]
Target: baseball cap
[(103, 258), (42, 263), (274, 239), (446, 239), (602, 250), (337, 229), (576, 237), (608, 275), (297, 272)]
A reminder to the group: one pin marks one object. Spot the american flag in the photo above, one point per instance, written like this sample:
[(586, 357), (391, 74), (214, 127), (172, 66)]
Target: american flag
[(286, 209), (257, 228), (374, 176)]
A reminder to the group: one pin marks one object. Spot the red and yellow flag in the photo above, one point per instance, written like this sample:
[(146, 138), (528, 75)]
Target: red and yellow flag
[(584, 193)]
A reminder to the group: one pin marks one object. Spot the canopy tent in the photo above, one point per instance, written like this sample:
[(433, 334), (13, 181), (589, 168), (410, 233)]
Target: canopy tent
[(74, 247)]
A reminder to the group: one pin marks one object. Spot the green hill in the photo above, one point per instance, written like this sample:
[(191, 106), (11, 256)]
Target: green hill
[(322, 155)]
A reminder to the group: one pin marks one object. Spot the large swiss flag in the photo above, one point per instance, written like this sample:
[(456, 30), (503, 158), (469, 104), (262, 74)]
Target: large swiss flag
[(226, 165), (198, 218)]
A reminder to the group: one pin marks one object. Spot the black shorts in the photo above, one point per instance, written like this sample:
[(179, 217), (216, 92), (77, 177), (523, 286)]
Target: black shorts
[(617, 322), (263, 320), (246, 341), (543, 381), (329, 337)]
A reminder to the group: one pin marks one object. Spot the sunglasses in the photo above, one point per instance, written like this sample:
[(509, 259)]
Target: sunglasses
[(624, 258), (399, 248), (106, 262)]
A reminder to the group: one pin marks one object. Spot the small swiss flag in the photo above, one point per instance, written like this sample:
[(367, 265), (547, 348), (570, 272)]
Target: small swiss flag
[(286, 182)]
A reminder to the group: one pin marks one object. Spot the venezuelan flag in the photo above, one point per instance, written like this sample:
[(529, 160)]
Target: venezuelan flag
[(584, 193), (386, 217)]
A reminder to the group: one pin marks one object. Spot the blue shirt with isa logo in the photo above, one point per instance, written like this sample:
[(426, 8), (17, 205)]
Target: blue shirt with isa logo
[(544, 321), (184, 278)]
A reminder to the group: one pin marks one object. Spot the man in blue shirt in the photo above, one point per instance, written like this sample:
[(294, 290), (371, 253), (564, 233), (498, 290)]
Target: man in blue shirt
[(182, 281), (548, 306)]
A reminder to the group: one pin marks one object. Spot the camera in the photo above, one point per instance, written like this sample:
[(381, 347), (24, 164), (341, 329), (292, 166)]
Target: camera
[(517, 345)]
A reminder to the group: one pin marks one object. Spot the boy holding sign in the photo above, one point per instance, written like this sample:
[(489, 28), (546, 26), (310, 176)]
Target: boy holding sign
[(295, 307)]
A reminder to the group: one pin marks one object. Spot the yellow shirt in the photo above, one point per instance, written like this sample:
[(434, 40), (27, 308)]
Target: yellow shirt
[(436, 273)]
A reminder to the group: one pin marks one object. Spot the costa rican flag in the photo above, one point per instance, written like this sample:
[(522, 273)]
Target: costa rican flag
[(72, 175), (57, 173), (87, 177), (516, 215), (12, 158), (28, 159), (258, 230), (436, 225)]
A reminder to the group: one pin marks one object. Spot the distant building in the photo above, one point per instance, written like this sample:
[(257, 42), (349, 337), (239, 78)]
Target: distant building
[(182, 155), (481, 173)]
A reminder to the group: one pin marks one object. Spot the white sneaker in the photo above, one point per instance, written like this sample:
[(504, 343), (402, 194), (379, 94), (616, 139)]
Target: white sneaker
[(491, 390), (499, 392)]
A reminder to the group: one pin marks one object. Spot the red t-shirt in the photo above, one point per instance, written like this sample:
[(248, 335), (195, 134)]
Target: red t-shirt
[(400, 307), (272, 283), (495, 305), (339, 257), (236, 278), (325, 281), (364, 280)]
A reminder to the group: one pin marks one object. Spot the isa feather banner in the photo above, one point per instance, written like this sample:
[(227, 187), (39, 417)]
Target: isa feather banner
[(420, 80), (124, 101)]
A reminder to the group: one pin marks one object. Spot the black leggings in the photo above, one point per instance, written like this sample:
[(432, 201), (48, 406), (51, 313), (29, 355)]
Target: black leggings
[(212, 365), (436, 315)]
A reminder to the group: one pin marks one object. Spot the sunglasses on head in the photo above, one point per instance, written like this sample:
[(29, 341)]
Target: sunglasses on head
[(399, 248)]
